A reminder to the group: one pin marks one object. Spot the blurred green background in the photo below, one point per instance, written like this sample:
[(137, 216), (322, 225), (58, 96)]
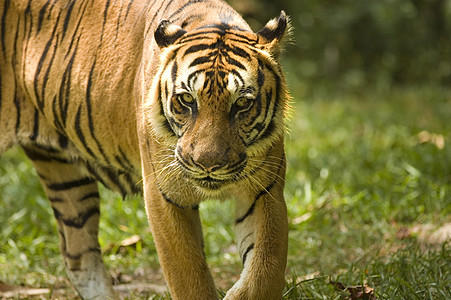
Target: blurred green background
[(355, 43)]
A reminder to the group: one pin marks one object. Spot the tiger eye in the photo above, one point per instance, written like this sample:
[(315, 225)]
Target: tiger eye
[(186, 98), (243, 102)]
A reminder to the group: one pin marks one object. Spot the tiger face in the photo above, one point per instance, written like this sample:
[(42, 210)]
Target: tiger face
[(220, 102)]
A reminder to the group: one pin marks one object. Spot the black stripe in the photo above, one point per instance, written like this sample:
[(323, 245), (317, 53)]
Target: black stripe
[(56, 200), (41, 176), (1, 96), (17, 49), (89, 113), (74, 269), (238, 75), (248, 249), (151, 21), (38, 72), (79, 132), (35, 133), (239, 52), (270, 128), (260, 74), (258, 107), (200, 60), (118, 21), (239, 166), (183, 85), (174, 75), (30, 15), (198, 47), (30, 23), (128, 9), (80, 220), (166, 90), (223, 27), (89, 196), (63, 141), (3, 25), (74, 35), (63, 239), (185, 6), (234, 62), (125, 161), (105, 13), (200, 35), (206, 36), (56, 119), (241, 39), (268, 188), (208, 83), (259, 126), (18, 112), (192, 79), (266, 130), (78, 256), (45, 157), (47, 72), (195, 37), (250, 211), (66, 185), (114, 178), (134, 185), (67, 17), (41, 15), (46, 147), (166, 124), (41, 102), (64, 92), (168, 200)]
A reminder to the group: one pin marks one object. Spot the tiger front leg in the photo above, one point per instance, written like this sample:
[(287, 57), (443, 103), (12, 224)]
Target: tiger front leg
[(74, 198), (262, 232), (177, 233)]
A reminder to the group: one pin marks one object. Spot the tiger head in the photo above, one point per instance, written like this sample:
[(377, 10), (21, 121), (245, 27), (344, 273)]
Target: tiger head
[(219, 99)]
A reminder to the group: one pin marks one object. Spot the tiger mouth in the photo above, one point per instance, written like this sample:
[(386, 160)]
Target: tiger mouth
[(211, 183)]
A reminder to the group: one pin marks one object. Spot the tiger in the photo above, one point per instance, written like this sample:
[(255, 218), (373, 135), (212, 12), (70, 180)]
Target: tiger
[(176, 100)]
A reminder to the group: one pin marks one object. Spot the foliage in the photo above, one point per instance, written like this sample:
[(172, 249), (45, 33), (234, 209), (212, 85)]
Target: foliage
[(359, 173)]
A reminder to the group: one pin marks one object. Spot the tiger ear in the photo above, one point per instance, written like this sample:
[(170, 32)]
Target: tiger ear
[(167, 33), (272, 35)]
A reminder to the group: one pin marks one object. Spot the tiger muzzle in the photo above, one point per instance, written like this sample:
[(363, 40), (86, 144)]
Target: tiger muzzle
[(211, 165)]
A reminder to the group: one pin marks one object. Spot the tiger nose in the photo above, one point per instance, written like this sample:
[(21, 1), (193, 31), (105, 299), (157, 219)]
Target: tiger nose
[(209, 165), (211, 158)]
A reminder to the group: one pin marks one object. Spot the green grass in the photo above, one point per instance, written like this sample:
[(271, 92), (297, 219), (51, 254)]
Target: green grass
[(365, 190)]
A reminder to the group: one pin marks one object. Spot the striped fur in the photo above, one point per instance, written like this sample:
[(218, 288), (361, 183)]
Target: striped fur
[(176, 100)]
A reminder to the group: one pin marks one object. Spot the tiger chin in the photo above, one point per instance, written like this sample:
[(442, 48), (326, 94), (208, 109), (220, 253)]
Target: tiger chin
[(179, 101)]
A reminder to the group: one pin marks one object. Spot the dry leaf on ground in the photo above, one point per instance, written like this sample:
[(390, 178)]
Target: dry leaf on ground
[(355, 292)]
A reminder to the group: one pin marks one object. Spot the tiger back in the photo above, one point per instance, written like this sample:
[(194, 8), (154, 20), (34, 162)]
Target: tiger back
[(176, 100)]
